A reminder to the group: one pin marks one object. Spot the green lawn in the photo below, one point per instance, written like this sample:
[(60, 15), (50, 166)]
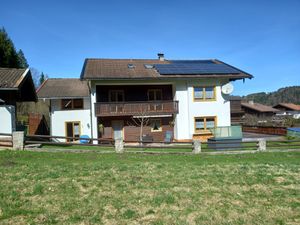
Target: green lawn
[(91, 188)]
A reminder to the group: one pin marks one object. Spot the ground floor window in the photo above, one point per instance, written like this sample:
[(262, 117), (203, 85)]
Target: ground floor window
[(155, 125), (203, 124), (72, 130)]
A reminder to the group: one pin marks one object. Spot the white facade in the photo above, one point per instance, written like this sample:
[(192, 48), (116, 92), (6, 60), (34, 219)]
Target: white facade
[(60, 117), (189, 109), (7, 119)]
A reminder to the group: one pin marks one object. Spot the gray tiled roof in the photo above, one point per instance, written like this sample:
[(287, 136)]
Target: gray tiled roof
[(63, 88)]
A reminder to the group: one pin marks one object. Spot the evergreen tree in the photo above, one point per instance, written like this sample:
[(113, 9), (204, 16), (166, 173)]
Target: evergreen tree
[(9, 57), (42, 78), (22, 60)]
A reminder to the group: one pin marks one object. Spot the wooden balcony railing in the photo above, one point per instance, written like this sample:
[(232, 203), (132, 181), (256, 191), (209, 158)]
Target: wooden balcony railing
[(136, 108)]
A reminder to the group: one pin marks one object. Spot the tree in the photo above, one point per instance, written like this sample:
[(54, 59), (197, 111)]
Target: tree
[(9, 57), (22, 60), (141, 119), (8, 54), (42, 78), (38, 78)]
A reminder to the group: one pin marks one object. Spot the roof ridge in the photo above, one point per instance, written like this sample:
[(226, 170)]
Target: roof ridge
[(142, 59), (121, 59)]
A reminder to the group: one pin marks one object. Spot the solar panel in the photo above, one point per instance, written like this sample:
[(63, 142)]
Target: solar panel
[(194, 67)]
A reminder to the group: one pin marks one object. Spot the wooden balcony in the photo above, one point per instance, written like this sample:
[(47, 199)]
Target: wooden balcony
[(147, 108)]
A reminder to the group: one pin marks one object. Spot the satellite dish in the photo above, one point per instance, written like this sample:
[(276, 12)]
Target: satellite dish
[(227, 88)]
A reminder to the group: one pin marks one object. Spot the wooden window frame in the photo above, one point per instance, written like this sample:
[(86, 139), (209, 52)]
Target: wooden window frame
[(204, 94), (66, 132), (151, 123), (117, 90), (205, 130), (157, 89), (72, 104)]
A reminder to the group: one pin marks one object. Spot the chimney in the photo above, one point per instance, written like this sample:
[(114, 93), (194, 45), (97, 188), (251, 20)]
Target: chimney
[(251, 102), (161, 56)]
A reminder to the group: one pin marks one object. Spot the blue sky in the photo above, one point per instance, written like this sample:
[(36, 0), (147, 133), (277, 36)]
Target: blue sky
[(260, 37)]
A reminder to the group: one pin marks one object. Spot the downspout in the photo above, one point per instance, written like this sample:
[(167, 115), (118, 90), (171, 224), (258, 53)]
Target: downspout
[(91, 114)]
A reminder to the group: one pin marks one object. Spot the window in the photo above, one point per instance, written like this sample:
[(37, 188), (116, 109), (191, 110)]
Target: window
[(72, 130), (148, 66), (67, 104), (131, 66), (155, 95), (155, 125), (204, 93), (203, 124), (116, 96), (78, 103)]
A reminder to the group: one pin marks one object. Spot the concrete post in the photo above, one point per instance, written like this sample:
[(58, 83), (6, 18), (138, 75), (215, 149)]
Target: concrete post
[(119, 145), (197, 147), (262, 145), (18, 140)]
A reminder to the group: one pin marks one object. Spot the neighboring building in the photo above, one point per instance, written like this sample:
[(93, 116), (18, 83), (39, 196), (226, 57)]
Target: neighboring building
[(258, 110), (236, 110), (16, 85), (288, 109), (180, 96), (69, 107)]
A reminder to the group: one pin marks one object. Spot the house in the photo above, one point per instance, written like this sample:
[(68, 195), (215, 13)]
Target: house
[(288, 109), (16, 85), (258, 110), (183, 98), (69, 107)]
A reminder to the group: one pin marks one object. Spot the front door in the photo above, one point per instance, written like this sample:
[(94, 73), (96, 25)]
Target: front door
[(117, 126), (72, 130)]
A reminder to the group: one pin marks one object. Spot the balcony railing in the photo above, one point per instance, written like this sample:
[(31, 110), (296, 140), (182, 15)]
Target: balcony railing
[(143, 108)]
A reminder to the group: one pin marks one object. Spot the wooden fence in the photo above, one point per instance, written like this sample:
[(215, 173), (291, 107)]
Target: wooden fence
[(195, 147), (265, 130), (6, 140)]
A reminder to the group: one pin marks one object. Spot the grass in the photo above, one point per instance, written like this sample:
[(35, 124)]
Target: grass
[(78, 147), (89, 188)]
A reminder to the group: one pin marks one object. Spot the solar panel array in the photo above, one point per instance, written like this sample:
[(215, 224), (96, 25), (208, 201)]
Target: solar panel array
[(194, 67)]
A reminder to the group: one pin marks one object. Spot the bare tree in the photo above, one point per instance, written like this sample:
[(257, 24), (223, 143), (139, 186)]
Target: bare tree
[(141, 119)]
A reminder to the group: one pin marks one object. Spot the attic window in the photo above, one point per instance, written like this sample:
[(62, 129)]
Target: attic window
[(149, 66), (131, 66)]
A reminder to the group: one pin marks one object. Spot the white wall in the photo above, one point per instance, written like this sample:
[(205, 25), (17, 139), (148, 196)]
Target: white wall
[(94, 118), (59, 117), (188, 109), (7, 119), (181, 128)]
